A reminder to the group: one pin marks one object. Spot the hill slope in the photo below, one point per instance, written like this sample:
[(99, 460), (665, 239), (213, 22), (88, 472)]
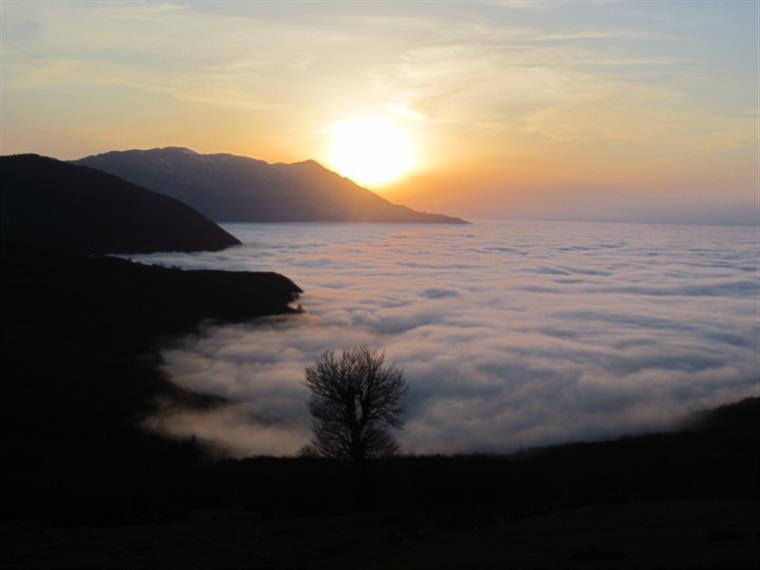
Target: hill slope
[(80, 338), (229, 188), (51, 203)]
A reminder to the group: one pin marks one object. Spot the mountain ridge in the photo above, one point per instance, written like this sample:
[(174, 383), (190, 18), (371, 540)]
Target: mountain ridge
[(233, 188), (52, 203)]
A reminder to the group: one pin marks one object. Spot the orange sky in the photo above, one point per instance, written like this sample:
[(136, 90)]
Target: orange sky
[(541, 109)]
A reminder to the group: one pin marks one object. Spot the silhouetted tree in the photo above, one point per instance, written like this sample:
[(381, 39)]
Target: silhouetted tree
[(355, 401)]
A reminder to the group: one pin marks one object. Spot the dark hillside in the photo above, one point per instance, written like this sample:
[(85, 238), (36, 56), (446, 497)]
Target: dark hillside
[(677, 500), (80, 370), (50, 203), (66, 316)]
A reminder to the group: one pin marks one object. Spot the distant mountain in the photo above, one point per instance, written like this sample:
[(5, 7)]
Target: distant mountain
[(46, 202), (229, 188)]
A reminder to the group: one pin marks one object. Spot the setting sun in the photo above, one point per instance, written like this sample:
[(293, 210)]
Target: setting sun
[(370, 151)]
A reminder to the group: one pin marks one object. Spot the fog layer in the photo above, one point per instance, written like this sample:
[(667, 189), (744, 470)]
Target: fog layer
[(510, 334)]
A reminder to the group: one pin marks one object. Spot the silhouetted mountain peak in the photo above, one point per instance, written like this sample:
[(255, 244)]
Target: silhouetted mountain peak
[(310, 163), (233, 188), (178, 149)]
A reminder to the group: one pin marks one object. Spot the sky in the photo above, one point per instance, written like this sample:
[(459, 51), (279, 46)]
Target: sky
[(614, 111)]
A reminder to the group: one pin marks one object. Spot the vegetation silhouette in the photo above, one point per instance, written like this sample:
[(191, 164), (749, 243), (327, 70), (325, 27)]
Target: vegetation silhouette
[(355, 401)]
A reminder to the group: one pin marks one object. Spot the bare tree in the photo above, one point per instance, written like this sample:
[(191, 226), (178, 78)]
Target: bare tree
[(355, 401)]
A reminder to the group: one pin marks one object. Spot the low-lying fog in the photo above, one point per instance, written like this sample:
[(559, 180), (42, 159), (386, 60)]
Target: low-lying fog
[(510, 334)]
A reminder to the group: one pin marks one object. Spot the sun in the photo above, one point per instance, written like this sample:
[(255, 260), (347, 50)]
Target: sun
[(370, 151)]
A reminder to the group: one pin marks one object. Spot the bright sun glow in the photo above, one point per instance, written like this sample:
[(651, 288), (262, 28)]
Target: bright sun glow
[(370, 151)]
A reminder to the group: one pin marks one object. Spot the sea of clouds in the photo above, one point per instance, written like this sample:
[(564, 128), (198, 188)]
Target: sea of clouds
[(510, 334)]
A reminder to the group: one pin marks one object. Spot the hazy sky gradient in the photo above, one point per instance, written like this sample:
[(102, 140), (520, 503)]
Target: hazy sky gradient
[(602, 110)]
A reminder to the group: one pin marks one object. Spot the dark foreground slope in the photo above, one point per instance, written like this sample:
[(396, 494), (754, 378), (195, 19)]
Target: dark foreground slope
[(51, 203), (687, 499), (229, 188), (701, 533), (80, 370)]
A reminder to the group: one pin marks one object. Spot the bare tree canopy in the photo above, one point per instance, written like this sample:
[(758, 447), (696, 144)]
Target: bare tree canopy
[(355, 401)]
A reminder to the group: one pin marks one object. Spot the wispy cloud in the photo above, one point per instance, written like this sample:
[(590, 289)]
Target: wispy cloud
[(541, 93)]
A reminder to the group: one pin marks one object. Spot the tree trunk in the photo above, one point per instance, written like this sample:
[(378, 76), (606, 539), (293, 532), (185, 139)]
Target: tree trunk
[(361, 484)]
